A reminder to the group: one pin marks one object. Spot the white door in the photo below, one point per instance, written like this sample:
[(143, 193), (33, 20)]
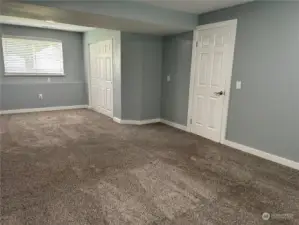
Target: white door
[(101, 77), (212, 68)]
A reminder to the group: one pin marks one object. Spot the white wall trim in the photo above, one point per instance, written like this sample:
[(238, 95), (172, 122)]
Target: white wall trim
[(117, 120), (157, 120), (143, 122), (228, 84), (175, 125), (233, 25), (262, 154), (88, 73), (192, 77), (232, 22), (136, 122), (16, 111)]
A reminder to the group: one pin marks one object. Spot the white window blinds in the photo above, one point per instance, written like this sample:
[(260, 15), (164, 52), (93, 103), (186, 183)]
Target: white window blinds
[(24, 56)]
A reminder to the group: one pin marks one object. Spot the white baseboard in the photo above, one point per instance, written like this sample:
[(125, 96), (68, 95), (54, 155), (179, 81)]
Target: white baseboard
[(143, 122), (175, 125), (117, 120), (262, 154), (136, 122), (17, 111)]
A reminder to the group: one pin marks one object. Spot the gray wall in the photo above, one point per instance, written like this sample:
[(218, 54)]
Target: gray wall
[(131, 70), (19, 92), (141, 76), (152, 72), (101, 35), (264, 114), (177, 51)]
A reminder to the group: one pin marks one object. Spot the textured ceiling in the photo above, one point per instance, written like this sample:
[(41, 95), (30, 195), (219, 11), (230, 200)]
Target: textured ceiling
[(149, 16), (84, 19), (190, 6), (194, 6), (43, 24)]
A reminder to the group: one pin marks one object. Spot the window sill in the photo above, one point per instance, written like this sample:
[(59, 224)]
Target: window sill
[(32, 75)]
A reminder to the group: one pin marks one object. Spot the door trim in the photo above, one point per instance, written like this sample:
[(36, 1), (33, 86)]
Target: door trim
[(233, 25), (89, 75)]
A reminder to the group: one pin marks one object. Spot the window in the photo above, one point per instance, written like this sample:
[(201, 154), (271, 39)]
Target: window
[(25, 56)]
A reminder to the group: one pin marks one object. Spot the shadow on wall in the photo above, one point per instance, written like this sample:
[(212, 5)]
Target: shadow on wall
[(177, 54), (141, 76)]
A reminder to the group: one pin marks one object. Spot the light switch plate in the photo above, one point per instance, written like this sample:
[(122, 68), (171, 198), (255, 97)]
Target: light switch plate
[(238, 85), (168, 78)]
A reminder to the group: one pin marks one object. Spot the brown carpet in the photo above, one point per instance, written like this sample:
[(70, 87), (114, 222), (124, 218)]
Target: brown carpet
[(78, 167)]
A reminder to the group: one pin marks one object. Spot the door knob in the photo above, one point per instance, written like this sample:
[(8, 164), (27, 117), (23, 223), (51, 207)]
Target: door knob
[(219, 93)]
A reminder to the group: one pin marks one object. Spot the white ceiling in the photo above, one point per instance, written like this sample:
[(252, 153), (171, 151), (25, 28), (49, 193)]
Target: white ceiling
[(42, 24), (194, 6)]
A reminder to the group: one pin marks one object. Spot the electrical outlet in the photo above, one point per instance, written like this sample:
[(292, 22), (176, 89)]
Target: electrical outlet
[(49, 79), (40, 96)]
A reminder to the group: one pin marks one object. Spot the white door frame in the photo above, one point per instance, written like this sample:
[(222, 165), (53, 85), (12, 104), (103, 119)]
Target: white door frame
[(89, 74), (233, 25)]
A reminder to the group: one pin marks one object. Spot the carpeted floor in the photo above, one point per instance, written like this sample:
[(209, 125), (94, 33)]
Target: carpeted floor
[(78, 167)]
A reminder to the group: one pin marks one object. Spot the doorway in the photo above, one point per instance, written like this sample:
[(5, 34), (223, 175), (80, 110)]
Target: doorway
[(101, 77), (211, 71)]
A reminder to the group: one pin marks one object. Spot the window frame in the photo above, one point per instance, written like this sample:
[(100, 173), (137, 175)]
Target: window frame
[(19, 74)]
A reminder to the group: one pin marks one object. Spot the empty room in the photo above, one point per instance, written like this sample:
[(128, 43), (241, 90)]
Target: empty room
[(143, 112)]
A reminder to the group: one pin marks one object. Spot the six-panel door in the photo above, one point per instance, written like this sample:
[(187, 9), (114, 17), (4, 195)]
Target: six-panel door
[(212, 66), (102, 77)]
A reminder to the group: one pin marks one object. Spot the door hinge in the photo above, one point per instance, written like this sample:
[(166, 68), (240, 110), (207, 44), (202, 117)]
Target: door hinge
[(196, 43), (190, 121)]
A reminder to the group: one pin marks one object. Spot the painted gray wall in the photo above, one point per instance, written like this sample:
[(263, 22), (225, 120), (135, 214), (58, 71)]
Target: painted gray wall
[(141, 76), (177, 51), (101, 35), (131, 70), (21, 92), (264, 113), (151, 79)]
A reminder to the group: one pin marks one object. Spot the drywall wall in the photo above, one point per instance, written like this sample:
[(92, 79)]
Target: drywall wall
[(131, 70), (151, 77), (21, 92), (141, 76), (101, 35), (264, 113), (177, 51)]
